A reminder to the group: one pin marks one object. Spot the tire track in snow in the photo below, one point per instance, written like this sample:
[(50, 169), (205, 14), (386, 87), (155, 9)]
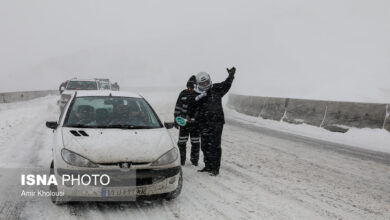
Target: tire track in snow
[(316, 178)]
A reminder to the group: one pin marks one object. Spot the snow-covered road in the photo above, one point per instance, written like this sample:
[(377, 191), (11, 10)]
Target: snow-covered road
[(265, 174)]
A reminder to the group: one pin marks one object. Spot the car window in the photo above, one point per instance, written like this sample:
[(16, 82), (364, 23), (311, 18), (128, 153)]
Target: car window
[(111, 112), (82, 85), (104, 85)]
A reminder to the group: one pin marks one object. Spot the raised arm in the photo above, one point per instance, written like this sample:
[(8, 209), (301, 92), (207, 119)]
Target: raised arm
[(224, 86)]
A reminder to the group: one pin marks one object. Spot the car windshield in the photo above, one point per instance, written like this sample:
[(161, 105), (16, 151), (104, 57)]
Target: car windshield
[(111, 112), (81, 85)]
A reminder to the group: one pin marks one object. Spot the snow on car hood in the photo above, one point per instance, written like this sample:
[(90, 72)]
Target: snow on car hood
[(118, 145)]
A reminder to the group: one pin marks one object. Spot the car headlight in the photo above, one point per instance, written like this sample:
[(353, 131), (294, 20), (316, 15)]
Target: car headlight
[(74, 159), (168, 158)]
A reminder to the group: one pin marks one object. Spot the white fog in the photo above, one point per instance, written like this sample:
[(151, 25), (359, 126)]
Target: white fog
[(337, 50)]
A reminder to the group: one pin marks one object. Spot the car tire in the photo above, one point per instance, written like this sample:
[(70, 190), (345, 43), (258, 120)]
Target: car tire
[(174, 194), (53, 188)]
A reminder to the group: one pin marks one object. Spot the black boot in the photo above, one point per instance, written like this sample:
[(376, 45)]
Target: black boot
[(205, 169), (182, 149), (214, 172), (195, 163)]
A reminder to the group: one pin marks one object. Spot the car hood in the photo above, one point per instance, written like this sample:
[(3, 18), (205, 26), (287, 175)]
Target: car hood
[(118, 145)]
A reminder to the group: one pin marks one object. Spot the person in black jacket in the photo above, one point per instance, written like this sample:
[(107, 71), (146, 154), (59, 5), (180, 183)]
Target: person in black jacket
[(186, 108), (115, 86), (210, 117)]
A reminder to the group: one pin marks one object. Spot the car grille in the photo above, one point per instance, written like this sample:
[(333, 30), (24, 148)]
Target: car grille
[(118, 163)]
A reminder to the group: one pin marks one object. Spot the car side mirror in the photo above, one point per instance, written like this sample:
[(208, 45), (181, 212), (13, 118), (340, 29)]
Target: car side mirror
[(169, 125), (52, 124)]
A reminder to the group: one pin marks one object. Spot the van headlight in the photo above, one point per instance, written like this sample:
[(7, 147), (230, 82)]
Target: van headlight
[(168, 158), (74, 159)]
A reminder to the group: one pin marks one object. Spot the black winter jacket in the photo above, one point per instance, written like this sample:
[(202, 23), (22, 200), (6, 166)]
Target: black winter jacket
[(209, 108), (186, 104)]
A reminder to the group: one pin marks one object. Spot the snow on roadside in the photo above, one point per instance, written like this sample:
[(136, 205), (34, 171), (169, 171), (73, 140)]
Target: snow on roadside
[(21, 126), (17, 113), (367, 138)]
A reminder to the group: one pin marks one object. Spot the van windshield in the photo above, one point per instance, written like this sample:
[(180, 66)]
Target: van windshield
[(111, 112)]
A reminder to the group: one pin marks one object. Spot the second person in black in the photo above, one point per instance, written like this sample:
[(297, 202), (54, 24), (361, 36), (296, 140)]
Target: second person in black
[(186, 108)]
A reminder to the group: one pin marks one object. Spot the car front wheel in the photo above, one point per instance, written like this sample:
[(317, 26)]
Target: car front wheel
[(174, 194), (53, 188)]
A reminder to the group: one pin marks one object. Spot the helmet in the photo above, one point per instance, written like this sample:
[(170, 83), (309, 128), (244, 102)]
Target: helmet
[(191, 82), (203, 81)]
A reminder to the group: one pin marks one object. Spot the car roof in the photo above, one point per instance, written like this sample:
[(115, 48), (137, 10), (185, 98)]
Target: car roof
[(83, 93)]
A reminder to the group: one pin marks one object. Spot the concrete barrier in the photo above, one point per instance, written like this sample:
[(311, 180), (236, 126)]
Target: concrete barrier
[(334, 116), (360, 115), (265, 107), (24, 96), (273, 108), (305, 111), (386, 123), (236, 102), (250, 105)]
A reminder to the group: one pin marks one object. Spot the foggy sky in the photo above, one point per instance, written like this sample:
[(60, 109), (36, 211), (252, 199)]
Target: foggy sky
[(333, 49)]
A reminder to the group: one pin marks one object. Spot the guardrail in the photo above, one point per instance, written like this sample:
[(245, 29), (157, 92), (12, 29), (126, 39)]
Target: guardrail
[(331, 115), (8, 97)]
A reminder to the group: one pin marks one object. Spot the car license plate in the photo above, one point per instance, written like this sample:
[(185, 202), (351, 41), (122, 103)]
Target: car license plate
[(122, 192)]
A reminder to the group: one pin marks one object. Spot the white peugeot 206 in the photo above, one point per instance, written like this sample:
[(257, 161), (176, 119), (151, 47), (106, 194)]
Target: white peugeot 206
[(111, 146)]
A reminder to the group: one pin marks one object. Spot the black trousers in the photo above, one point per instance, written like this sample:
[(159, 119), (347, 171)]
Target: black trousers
[(211, 134), (191, 131)]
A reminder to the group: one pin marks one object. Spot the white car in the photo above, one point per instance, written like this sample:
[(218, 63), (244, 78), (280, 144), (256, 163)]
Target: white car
[(76, 85), (115, 136)]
